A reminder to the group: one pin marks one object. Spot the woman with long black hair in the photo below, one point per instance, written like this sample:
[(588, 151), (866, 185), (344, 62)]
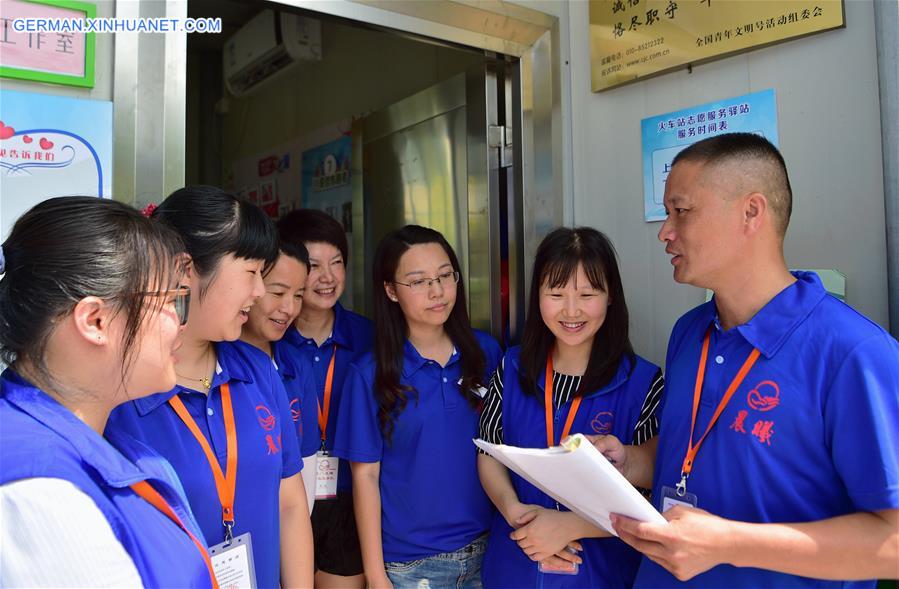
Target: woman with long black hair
[(410, 413), (226, 425), (575, 372)]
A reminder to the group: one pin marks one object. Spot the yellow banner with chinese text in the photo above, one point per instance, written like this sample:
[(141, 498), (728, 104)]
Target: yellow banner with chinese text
[(633, 39)]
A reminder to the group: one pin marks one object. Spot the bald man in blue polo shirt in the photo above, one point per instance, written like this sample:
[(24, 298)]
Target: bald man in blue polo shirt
[(776, 460)]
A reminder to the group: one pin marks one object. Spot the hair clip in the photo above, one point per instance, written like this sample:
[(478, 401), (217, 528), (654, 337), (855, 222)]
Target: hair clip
[(148, 210)]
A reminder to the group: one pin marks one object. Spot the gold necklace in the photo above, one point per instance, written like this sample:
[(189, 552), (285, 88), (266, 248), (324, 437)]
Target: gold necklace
[(204, 380)]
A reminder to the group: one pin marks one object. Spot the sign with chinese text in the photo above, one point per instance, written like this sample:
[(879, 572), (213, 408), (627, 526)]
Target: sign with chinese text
[(51, 146), (326, 179), (633, 39), (56, 58), (664, 136)]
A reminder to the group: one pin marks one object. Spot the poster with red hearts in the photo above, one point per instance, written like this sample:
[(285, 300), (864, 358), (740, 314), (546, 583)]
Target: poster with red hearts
[(51, 146)]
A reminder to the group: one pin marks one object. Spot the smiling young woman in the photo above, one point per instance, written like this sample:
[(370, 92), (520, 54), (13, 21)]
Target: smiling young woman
[(229, 400), (270, 328), (575, 372), (329, 337)]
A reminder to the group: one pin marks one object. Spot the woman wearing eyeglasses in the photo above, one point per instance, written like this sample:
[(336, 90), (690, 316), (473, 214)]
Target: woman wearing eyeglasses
[(408, 419), (90, 316), (226, 424)]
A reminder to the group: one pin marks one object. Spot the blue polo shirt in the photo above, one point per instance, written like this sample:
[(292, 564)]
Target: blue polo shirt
[(41, 438), (810, 434), (296, 372), (613, 409), (267, 448), (431, 499), (352, 335)]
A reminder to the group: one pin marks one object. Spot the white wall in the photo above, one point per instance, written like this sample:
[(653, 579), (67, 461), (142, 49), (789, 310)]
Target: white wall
[(829, 127)]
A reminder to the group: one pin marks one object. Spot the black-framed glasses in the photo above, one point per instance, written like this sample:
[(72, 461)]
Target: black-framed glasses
[(182, 300), (423, 284)]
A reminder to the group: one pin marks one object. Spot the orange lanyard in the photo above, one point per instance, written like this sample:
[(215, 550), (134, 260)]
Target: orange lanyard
[(152, 496), (329, 384), (225, 484), (548, 404), (692, 450)]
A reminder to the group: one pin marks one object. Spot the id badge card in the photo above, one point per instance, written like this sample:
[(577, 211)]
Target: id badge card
[(232, 563), (670, 498), (572, 568), (326, 475)]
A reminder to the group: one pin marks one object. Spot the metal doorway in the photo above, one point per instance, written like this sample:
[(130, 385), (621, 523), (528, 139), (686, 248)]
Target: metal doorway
[(149, 135), (428, 160)]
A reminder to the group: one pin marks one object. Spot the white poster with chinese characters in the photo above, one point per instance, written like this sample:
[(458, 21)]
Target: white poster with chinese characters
[(51, 146), (664, 136)]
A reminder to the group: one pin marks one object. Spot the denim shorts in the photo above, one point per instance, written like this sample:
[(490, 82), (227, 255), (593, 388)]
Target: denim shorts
[(460, 569)]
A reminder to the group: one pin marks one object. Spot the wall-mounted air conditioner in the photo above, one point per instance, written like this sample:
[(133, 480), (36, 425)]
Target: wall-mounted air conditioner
[(267, 45)]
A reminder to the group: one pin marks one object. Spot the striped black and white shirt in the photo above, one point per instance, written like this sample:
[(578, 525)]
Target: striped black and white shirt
[(564, 386)]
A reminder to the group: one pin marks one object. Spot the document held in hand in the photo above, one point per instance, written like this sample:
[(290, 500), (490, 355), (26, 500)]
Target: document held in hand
[(579, 477)]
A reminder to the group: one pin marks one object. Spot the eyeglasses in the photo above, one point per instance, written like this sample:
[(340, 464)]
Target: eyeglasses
[(423, 284), (182, 300)]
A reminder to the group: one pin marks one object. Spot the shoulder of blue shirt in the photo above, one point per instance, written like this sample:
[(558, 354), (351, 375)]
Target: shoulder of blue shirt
[(842, 325), (511, 364), (352, 329)]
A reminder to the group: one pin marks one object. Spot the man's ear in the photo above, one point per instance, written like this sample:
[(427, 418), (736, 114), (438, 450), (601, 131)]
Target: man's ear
[(755, 211)]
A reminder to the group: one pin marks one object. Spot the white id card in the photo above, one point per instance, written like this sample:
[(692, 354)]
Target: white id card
[(479, 391), (326, 475), (670, 498), (232, 563)]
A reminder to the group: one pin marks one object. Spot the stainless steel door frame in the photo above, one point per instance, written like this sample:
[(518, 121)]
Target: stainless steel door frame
[(534, 38), (399, 144)]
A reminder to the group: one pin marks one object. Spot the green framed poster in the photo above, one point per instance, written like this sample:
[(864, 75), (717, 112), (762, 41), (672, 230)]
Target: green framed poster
[(53, 49)]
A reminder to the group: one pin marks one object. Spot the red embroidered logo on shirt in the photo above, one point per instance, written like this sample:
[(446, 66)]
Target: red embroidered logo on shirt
[(265, 417), (602, 423), (295, 412), (765, 396)]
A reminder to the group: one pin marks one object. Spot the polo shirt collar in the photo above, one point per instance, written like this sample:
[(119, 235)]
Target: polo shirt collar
[(620, 377), (341, 333), (282, 364), (413, 361), (769, 329), (93, 449), (229, 366)]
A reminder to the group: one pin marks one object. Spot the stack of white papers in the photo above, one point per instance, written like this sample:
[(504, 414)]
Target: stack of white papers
[(579, 477)]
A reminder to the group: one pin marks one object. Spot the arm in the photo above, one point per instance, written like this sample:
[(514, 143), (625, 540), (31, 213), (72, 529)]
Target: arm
[(297, 562), (495, 480), (857, 546), (367, 506), (309, 472), (535, 527), (48, 520)]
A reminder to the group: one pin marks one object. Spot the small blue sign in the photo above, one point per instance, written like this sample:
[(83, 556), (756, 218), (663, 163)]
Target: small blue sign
[(664, 136)]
